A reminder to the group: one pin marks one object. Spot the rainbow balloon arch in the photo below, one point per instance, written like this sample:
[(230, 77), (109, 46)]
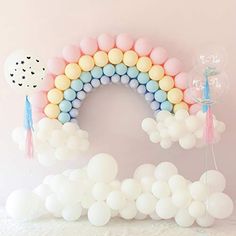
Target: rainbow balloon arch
[(159, 192)]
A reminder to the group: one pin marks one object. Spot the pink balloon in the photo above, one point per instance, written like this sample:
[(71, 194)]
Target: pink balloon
[(159, 55), (48, 83), (181, 80), (71, 53), (173, 66), (106, 42), (143, 47), (124, 42), (194, 108), (189, 96), (37, 116), (39, 100), (56, 65), (89, 46)]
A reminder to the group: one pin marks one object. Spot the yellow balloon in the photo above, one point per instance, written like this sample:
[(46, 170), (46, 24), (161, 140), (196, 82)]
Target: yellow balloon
[(52, 111), (166, 83), (86, 63), (72, 71), (62, 82), (100, 58), (180, 106), (130, 58), (156, 72), (144, 64), (55, 96), (115, 56), (175, 95)]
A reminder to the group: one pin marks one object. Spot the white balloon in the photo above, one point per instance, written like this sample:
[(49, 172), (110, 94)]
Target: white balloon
[(192, 123), (220, 205), (177, 182), (58, 138), (165, 170), (48, 179), (154, 216), (72, 212), (102, 168), (63, 153), (214, 179), (53, 205), (177, 130), (149, 125), (43, 191), (160, 189), (220, 126), (115, 185), (47, 158), (24, 205), (197, 209), (162, 115), (83, 145), (24, 72), (78, 175), (181, 198), (87, 200), (146, 203), (188, 141), (129, 211), (99, 214), (145, 170), (82, 133), (56, 182), (116, 200), (70, 128), (146, 183), (114, 213), (206, 220), (183, 218), (198, 191), (165, 143), (155, 137), (165, 208), (100, 191), (131, 188), (181, 114)]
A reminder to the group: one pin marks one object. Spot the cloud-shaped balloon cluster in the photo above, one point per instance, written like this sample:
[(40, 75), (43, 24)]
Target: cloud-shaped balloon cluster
[(158, 192), (181, 127), (54, 141)]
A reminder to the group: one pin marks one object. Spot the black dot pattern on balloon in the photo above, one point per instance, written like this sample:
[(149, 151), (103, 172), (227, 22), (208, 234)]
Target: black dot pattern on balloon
[(37, 60), (28, 57), (23, 77), (43, 68), (15, 69), (41, 78), (32, 73), (27, 85), (17, 63), (13, 81), (22, 62), (11, 75), (34, 86), (24, 70), (30, 67), (20, 84)]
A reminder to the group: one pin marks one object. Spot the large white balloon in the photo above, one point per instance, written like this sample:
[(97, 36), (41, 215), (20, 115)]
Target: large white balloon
[(102, 168), (165, 208), (145, 170), (72, 212), (220, 205), (181, 198), (24, 72), (160, 189), (43, 190), (198, 191), (23, 204), (131, 188), (197, 209), (99, 214), (183, 218), (165, 170), (177, 182), (53, 205), (206, 220), (146, 203), (100, 191), (116, 200), (129, 211)]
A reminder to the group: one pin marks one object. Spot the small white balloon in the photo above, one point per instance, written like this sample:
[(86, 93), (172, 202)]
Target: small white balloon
[(87, 200), (63, 153), (149, 125), (145, 170), (188, 141), (206, 220), (220, 205), (146, 183), (70, 127), (165, 208), (197, 209), (58, 138), (72, 212), (53, 205), (56, 182), (181, 198), (192, 123), (160, 189), (116, 200), (177, 130), (155, 137), (166, 143), (131, 188), (100, 191), (198, 191), (181, 114), (183, 218), (162, 115), (165, 170), (99, 214), (43, 191), (177, 182), (146, 203), (129, 211)]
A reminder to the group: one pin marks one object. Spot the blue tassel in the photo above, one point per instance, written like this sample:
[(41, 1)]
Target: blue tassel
[(206, 93)]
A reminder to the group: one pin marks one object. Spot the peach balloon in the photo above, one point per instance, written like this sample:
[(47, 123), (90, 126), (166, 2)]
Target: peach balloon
[(173, 66), (39, 100), (56, 65), (124, 42), (159, 55), (189, 96), (106, 42), (71, 53), (181, 80), (48, 83), (143, 47), (89, 46), (195, 108)]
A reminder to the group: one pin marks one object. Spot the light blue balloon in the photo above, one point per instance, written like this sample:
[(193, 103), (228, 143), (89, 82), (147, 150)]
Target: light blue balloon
[(77, 85), (121, 69), (86, 76), (69, 94), (74, 113), (88, 87), (149, 97), (166, 106), (143, 78), (65, 106), (124, 79), (155, 105), (133, 83), (95, 83), (64, 117), (81, 95), (132, 72), (105, 80), (115, 79), (152, 86), (76, 103), (97, 72), (109, 70), (141, 89), (160, 96)]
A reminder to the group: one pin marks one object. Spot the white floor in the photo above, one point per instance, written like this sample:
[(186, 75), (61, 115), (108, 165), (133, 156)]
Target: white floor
[(116, 227)]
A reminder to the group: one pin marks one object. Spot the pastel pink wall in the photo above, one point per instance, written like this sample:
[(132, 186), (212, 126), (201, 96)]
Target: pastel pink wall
[(113, 115)]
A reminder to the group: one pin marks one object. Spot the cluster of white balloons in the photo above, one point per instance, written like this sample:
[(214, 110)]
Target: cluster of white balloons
[(158, 192), (181, 127), (54, 141)]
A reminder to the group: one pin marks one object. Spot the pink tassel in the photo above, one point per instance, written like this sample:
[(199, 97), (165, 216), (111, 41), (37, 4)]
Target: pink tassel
[(29, 144), (209, 129)]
